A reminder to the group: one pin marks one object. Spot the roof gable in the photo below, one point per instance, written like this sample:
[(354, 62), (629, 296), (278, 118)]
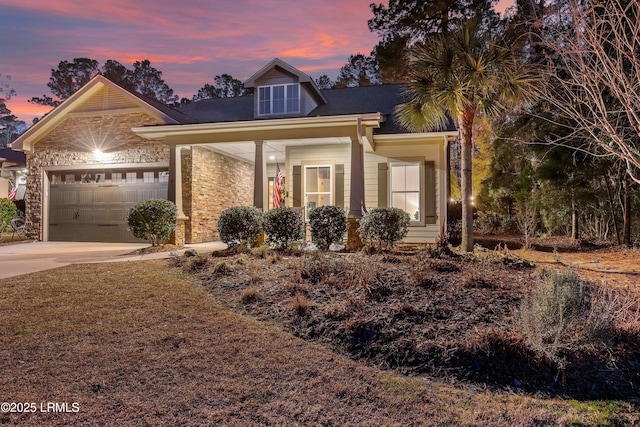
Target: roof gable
[(279, 67), (98, 95)]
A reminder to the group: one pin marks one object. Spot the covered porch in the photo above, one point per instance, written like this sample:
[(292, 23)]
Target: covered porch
[(217, 165)]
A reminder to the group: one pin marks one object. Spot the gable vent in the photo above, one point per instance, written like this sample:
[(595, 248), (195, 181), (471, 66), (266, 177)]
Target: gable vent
[(105, 99)]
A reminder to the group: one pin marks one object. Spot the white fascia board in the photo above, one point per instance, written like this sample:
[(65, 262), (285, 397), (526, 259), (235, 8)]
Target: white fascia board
[(415, 137), (164, 131)]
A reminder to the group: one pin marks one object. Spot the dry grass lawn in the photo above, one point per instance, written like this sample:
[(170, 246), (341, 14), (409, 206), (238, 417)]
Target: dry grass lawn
[(139, 344)]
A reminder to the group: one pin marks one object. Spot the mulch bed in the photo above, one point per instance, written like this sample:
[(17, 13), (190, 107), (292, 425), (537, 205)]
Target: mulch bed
[(417, 312)]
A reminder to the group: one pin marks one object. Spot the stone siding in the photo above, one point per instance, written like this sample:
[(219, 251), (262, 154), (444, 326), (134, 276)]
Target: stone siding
[(215, 182), (72, 143)]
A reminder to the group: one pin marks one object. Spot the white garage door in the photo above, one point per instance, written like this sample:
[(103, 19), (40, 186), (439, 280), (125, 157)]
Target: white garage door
[(92, 206)]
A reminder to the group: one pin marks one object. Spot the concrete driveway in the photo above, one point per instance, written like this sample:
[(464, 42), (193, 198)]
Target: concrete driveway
[(29, 257)]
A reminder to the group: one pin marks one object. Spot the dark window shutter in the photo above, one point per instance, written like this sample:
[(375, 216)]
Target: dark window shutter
[(430, 214), (339, 197), (297, 186), (382, 185)]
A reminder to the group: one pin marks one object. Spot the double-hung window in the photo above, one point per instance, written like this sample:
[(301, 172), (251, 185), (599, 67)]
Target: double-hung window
[(406, 179), (317, 187), (279, 99)]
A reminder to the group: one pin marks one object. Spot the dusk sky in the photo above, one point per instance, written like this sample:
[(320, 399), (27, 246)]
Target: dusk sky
[(190, 41)]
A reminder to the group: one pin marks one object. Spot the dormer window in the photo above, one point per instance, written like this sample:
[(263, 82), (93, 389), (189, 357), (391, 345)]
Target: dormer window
[(279, 99)]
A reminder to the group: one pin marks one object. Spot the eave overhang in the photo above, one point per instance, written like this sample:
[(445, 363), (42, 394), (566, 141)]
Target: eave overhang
[(356, 125)]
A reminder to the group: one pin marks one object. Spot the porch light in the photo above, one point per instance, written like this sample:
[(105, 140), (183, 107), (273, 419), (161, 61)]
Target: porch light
[(98, 155)]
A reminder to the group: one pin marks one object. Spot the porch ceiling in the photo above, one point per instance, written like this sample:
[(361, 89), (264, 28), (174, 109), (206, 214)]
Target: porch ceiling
[(274, 150)]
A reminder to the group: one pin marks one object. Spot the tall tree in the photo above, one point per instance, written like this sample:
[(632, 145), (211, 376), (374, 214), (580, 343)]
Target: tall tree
[(148, 81), (404, 23), (10, 126), (418, 19), (324, 82), (360, 70), (67, 79), (225, 86), (71, 76), (461, 74), (118, 73)]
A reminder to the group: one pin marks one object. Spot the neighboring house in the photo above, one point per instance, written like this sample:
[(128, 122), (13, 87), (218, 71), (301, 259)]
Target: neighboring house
[(12, 172), (340, 147)]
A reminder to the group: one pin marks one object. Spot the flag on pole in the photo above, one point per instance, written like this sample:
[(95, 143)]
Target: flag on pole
[(277, 188), (12, 191)]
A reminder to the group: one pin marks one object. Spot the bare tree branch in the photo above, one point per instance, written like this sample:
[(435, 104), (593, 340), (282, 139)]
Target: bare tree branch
[(594, 75)]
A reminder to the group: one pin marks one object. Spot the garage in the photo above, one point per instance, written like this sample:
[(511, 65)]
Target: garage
[(92, 205)]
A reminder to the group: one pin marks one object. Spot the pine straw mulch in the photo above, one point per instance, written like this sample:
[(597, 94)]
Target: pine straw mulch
[(417, 312), (139, 344)]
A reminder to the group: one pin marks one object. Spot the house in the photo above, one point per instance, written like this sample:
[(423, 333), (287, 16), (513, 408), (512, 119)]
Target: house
[(106, 148)]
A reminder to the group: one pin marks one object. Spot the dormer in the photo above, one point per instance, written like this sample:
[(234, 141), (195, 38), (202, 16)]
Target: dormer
[(281, 90)]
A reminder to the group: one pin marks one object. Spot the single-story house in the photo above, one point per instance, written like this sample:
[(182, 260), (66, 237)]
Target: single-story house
[(106, 148)]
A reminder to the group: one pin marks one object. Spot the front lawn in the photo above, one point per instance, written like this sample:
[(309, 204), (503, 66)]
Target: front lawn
[(139, 343)]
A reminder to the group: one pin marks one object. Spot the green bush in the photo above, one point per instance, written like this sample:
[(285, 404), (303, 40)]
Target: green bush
[(283, 227), (328, 225), (381, 228), (240, 225), (8, 211), (153, 220)]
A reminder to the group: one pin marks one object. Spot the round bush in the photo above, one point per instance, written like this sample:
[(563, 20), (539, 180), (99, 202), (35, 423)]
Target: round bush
[(381, 228), (283, 227), (8, 211), (328, 225), (240, 224), (153, 220)]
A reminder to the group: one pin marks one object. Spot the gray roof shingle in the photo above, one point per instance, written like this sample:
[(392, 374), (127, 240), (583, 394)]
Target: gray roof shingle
[(354, 100)]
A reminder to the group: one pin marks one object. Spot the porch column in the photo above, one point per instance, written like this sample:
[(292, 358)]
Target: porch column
[(175, 179), (174, 194), (356, 198), (259, 176)]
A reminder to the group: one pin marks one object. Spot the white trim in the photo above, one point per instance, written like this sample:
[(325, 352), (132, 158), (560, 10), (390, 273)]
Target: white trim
[(164, 131), (271, 99), (331, 191), (82, 166), (421, 187), (415, 137)]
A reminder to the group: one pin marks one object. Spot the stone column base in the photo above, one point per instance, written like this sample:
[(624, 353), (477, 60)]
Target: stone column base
[(353, 236), (178, 236)]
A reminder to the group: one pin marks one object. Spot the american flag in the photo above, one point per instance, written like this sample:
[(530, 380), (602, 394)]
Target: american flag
[(277, 187), (12, 191)]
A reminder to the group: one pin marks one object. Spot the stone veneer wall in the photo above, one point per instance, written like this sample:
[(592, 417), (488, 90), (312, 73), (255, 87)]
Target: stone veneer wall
[(72, 143), (217, 182)]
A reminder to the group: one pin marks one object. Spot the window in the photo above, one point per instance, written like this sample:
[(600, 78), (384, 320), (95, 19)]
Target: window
[(278, 99), (405, 188), (317, 187)]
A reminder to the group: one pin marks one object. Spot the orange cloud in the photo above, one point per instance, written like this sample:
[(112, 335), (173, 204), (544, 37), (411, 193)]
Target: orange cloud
[(26, 111)]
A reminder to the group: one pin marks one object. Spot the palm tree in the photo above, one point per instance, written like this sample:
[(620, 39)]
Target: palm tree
[(462, 74)]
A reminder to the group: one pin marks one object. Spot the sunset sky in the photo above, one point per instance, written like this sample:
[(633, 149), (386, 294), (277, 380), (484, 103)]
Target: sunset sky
[(190, 41)]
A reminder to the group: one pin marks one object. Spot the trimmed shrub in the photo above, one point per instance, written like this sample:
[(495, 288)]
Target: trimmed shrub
[(283, 227), (8, 211), (381, 228), (153, 220), (328, 225), (240, 224)]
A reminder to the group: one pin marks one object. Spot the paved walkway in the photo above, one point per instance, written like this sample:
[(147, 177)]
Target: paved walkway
[(29, 257)]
